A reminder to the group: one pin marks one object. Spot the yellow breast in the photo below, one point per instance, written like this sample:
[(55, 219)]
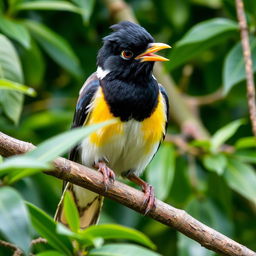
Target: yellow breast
[(100, 112), (153, 127)]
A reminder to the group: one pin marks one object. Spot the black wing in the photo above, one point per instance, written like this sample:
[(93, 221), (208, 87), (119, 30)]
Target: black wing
[(166, 100), (86, 95)]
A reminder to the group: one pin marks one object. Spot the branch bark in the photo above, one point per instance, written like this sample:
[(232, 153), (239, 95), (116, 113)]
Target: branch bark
[(14, 248), (248, 62), (179, 111), (132, 198), (17, 251)]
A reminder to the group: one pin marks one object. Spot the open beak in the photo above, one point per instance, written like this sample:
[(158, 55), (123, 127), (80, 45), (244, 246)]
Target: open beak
[(149, 54)]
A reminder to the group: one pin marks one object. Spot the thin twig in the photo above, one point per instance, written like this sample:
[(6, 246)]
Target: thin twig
[(38, 240), (132, 198), (184, 147), (16, 251), (180, 142), (205, 99), (248, 62), (187, 72)]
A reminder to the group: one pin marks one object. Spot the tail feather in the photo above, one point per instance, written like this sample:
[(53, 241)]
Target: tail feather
[(88, 203)]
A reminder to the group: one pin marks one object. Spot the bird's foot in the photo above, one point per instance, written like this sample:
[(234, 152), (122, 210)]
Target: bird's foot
[(149, 196), (108, 175)]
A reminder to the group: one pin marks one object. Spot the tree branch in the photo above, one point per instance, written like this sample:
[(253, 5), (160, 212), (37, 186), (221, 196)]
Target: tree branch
[(16, 251), (132, 198), (196, 101), (179, 111), (248, 63)]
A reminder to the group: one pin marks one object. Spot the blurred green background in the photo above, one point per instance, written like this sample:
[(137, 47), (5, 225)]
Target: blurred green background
[(52, 48)]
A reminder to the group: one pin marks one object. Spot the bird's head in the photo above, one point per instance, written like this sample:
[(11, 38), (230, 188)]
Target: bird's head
[(128, 53)]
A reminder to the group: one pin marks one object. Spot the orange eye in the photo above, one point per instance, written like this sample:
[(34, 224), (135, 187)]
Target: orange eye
[(126, 54)]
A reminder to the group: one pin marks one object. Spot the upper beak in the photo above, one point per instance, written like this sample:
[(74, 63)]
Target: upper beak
[(149, 55)]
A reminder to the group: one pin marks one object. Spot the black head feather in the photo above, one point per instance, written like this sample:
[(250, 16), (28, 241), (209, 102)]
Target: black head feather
[(130, 35), (126, 36)]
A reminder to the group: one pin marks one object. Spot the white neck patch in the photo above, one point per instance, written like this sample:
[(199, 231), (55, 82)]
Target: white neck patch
[(101, 73)]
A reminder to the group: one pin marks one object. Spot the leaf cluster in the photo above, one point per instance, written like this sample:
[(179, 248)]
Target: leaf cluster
[(48, 48)]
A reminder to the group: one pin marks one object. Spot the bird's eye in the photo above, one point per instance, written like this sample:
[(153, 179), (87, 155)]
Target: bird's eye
[(126, 54)]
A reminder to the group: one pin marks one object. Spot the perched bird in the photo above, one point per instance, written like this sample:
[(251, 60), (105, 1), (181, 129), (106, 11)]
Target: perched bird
[(124, 88)]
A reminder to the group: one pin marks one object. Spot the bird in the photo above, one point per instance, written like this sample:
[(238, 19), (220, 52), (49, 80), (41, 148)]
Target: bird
[(122, 88)]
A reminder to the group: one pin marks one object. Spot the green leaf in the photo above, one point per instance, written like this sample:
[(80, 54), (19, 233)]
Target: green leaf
[(160, 172), (46, 227), (10, 85), (63, 230), (189, 247), (199, 38), (14, 2), (14, 221), (241, 177), (57, 48), (205, 211), (15, 30), (44, 120), (247, 156), (181, 189), (224, 133), (60, 144), (86, 241), (49, 253), (177, 12), (71, 212), (204, 144), (121, 250), (221, 196), (86, 8), (216, 4), (216, 163), (10, 69), (113, 231), (1, 6), (11, 103), (48, 5), (20, 162), (18, 175), (33, 64), (246, 142), (18, 167), (234, 67)]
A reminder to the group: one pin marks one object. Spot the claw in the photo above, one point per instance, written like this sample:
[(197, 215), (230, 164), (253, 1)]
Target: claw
[(108, 174), (149, 201), (149, 196)]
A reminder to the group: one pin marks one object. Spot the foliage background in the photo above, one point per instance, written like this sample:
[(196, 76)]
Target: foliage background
[(52, 48)]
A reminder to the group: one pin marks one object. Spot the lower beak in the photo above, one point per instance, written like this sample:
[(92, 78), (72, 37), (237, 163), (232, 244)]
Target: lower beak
[(149, 55)]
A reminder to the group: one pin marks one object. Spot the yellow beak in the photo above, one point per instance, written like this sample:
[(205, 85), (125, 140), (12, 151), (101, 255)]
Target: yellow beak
[(149, 55)]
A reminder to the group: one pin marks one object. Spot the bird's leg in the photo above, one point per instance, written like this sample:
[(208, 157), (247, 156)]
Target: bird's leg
[(108, 174), (149, 201)]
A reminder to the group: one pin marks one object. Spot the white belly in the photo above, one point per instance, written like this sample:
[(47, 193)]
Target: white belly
[(124, 152)]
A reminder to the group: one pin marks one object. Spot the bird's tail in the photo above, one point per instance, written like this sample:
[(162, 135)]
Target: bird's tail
[(88, 203)]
